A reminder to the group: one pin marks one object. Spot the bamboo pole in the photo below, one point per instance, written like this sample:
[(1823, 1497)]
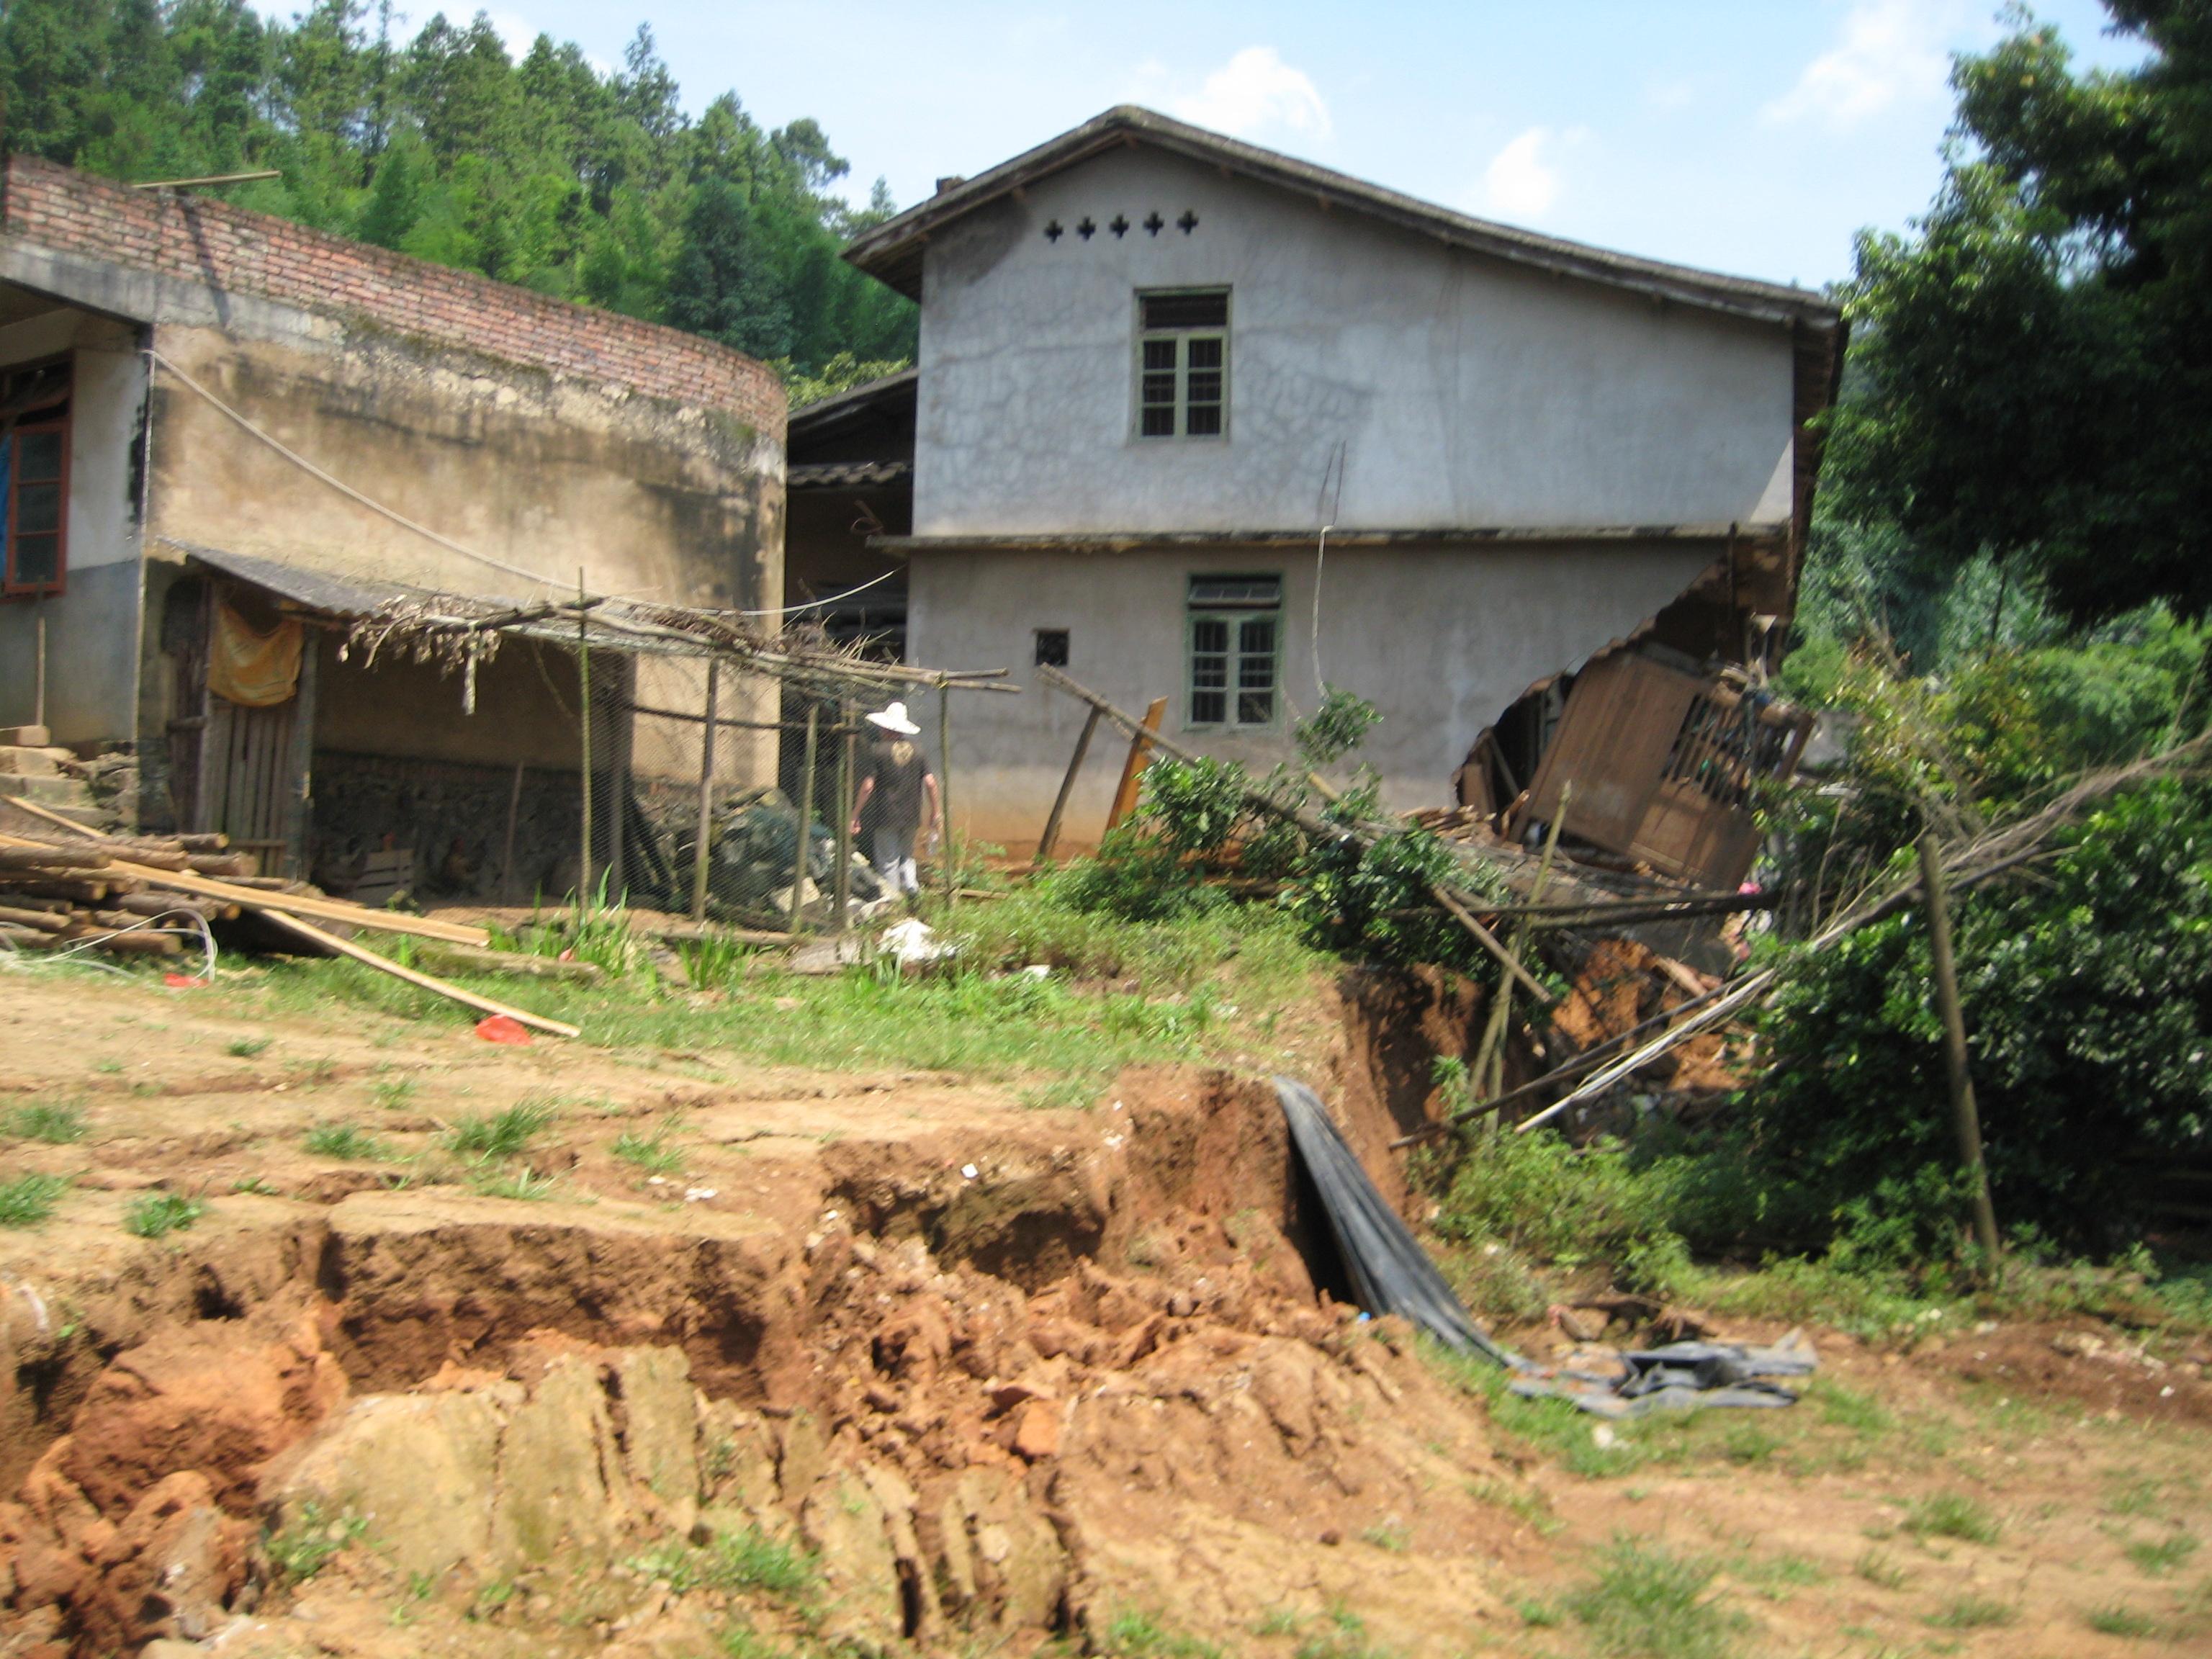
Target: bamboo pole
[(1965, 1117), (805, 820), (583, 725), (843, 885), (1490, 1059), (702, 841), (1050, 839), (507, 846), (945, 857)]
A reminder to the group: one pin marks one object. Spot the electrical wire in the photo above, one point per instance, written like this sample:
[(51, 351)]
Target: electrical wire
[(812, 605), (92, 941)]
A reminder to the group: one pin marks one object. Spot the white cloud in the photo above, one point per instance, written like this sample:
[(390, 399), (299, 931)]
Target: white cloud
[(1889, 52), (1523, 179), (516, 33), (1254, 91)]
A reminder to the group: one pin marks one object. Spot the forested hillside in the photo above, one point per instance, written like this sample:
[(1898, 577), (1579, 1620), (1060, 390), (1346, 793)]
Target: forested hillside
[(593, 185)]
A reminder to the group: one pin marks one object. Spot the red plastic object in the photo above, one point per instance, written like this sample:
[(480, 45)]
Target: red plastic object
[(183, 982), (501, 1028)]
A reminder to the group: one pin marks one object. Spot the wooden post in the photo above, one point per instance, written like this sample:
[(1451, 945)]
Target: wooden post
[(39, 689), (584, 723), (703, 848), (299, 764), (944, 857), (806, 818), (1490, 1059), (1140, 745), (1050, 839), (622, 722), (845, 787), (507, 848), (1965, 1117)]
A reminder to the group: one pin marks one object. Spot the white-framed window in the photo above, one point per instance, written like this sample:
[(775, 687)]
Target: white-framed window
[(1183, 363), (1235, 633)]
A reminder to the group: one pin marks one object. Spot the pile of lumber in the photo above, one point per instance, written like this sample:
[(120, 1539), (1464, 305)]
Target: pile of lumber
[(57, 892)]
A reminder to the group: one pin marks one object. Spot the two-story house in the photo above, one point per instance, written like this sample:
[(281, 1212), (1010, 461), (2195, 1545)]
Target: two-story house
[(1203, 421)]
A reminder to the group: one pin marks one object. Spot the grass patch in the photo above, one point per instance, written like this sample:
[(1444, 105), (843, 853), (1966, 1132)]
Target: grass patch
[(1526, 1504), (1973, 1613), (156, 1215), (310, 1541), (651, 1153), (524, 1184), (1879, 1569), (485, 1136), (1647, 1602), (56, 1122), (1390, 1536), (1952, 1515), (245, 1048), (1140, 1635), (1846, 1408), (2118, 1620), (749, 1560), (393, 1092), (29, 1200), (2159, 1556), (344, 1140)]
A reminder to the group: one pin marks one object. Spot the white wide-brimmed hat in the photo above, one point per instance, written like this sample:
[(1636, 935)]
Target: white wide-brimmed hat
[(894, 719)]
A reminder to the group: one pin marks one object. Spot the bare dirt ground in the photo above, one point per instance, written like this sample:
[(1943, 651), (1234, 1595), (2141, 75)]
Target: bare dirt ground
[(1011, 1377)]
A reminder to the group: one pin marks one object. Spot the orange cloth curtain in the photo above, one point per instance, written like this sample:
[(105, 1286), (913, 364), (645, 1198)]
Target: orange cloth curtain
[(249, 668)]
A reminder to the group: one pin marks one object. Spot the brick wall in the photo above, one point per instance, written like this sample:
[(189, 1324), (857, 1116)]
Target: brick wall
[(201, 240)]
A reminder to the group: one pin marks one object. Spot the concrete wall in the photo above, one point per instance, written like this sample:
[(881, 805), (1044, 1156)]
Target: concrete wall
[(92, 627), (1466, 392), (1441, 639)]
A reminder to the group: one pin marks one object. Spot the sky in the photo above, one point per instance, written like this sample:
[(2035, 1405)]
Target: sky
[(1752, 137)]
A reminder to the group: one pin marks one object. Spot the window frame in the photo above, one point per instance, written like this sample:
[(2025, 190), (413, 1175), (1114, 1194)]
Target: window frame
[(1180, 340), (55, 415), (1232, 616)]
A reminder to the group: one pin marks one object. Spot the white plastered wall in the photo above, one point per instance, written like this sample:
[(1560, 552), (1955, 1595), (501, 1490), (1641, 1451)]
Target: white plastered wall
[(1465, 392), (1440, 638)]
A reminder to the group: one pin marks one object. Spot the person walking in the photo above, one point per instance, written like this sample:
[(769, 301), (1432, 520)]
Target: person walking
[(897, 784)]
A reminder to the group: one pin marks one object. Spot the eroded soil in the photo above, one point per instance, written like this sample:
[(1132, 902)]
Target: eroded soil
[(1014, 1377)]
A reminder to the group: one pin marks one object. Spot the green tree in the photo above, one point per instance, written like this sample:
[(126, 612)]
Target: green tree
[(2035, 358)]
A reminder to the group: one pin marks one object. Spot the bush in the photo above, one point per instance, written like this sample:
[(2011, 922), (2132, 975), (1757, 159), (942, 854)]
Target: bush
[(2088, 1001)]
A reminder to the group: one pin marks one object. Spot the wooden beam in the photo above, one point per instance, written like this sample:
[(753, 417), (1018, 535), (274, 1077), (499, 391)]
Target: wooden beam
[(1050, 839)]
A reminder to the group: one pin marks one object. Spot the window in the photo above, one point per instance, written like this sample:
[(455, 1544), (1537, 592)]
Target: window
[(1182, 364), (34, 477), (1052, 647), (1236, 624)]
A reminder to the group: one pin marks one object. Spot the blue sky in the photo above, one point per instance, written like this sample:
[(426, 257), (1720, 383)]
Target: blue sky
[(1746, 135)]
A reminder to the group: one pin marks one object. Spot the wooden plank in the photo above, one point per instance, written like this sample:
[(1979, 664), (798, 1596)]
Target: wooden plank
[(1133, 769), (32, 809), (346, 947), (1488, 941)]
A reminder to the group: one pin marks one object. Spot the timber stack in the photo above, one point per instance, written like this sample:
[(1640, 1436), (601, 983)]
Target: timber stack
[(57, 892)]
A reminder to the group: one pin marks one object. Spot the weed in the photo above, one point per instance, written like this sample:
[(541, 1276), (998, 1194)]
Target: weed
[(1877, 1567), (515, 1183), (1952, 1515), (1973, 1613), (1346, 1639), (107, 1068), (1277, 1621), (245, 1048), (307, 1544), (1845, 1408), (29, 1200), (1140, 1635), (57, 1124), (393, 1092), (2134, 1493), (2116, 1621), (256, 1184), (485, 1136), (344, 1140), (490, 1599), (650, 1153), (1647, 1600), (1776, 1577), (2157, 1556), (157, 1214), (1748, 1443), (744, 1642), (314, 1073)]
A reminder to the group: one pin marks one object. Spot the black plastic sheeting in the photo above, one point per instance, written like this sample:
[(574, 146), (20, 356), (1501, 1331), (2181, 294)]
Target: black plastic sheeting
[(1391, 1273)]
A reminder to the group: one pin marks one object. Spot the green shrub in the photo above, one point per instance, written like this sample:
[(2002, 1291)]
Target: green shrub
[(29, 1200), (58, 1124)]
